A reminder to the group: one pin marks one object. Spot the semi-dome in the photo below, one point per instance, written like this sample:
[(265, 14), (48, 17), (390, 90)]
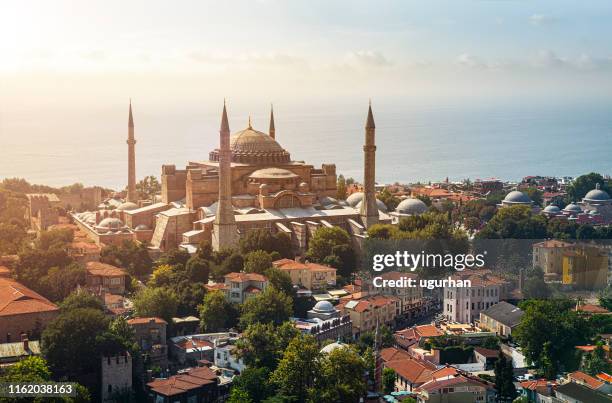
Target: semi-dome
[(324, 307), (381, 206), (411, 206), (272, 173), (552, 209), (354, 199), (572, 208), (142, 227), (251, 146), (127, 206), (516, 197), (597, 195)]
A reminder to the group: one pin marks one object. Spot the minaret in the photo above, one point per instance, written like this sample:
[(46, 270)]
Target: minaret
[(369, 209), (131, 142), (272, 129), (225, 233)]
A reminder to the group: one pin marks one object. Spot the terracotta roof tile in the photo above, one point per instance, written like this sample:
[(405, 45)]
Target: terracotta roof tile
[(104, 270), (16, 299), (140, 321), (586, 379), (240, 277)]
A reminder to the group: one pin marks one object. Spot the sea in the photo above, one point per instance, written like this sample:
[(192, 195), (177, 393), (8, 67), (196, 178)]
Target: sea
[(416, 142)]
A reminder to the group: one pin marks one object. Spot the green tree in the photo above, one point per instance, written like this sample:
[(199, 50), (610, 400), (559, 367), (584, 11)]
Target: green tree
[(297, 371), (388, 380), (231, 264), (269, 306), (148, 187), (131, 255), (596, 361), (535, 287), (81, 299), (60, 282), (238, 395), (504, 379), (548, 332), (257, 262), (197, 269), (262, 345), (281, 281), (159, 302), (71, 337), (262, 239), (254, 382), (217, 313), (390, 201), (342, 376), (584, 184), (332, 246)]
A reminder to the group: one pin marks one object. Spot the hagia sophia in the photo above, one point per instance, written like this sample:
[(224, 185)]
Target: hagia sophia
[(249, 182)]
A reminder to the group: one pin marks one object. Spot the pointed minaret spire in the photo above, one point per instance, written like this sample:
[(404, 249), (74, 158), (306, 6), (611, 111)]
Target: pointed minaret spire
[(369, 209), (225, 233), (131, 142), (272, 129)]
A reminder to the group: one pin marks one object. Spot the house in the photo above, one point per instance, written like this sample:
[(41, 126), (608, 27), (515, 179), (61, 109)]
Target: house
[(239, 287), (225, 354), (11, 353), (150, 334), (538, 390), (413, 335), (116, 376), (368, 312), (195, 385), (486, 357), (457, 388), (464, 304), (102, 277), (501, 318), (589, 381), (192, 348), (573, 392), (23, 311), (410, 372), (311, 276), (412, 303)]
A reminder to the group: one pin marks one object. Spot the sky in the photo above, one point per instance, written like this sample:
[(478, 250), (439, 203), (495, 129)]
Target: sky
[(303, 49), (68, 68)]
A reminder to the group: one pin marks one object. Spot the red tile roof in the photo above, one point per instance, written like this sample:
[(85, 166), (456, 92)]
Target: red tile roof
[(289, 264), (413, 370), (438, 384), (590, 308), (487, 352), (5, 271), (586, 379), (140, 321), (392, 354), (193, 342), (539, 385), (240, 277), (17, 299), (104, 270), (178, 384)]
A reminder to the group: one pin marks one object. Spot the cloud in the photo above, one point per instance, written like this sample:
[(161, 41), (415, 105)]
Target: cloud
[(585, 62), (269, 58), (367, 58), (468, 60), (539, 20)]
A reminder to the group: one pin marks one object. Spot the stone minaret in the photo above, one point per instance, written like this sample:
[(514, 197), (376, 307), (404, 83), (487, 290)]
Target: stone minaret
[(369, 209), (225, 233), (131, 142), (272, 129)]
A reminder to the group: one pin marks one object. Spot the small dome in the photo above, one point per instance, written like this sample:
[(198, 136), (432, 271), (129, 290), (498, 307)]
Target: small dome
[(597, 195), (110, 223), (333, 346), (381, 206), (552, 209), (411, 206), (572, 208), (127, 206), (272, 173), (354, 199), (142, 227), (516, 197), (324, 307)]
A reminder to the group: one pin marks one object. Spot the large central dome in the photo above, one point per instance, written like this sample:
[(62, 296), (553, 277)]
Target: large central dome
[(250, 146)]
